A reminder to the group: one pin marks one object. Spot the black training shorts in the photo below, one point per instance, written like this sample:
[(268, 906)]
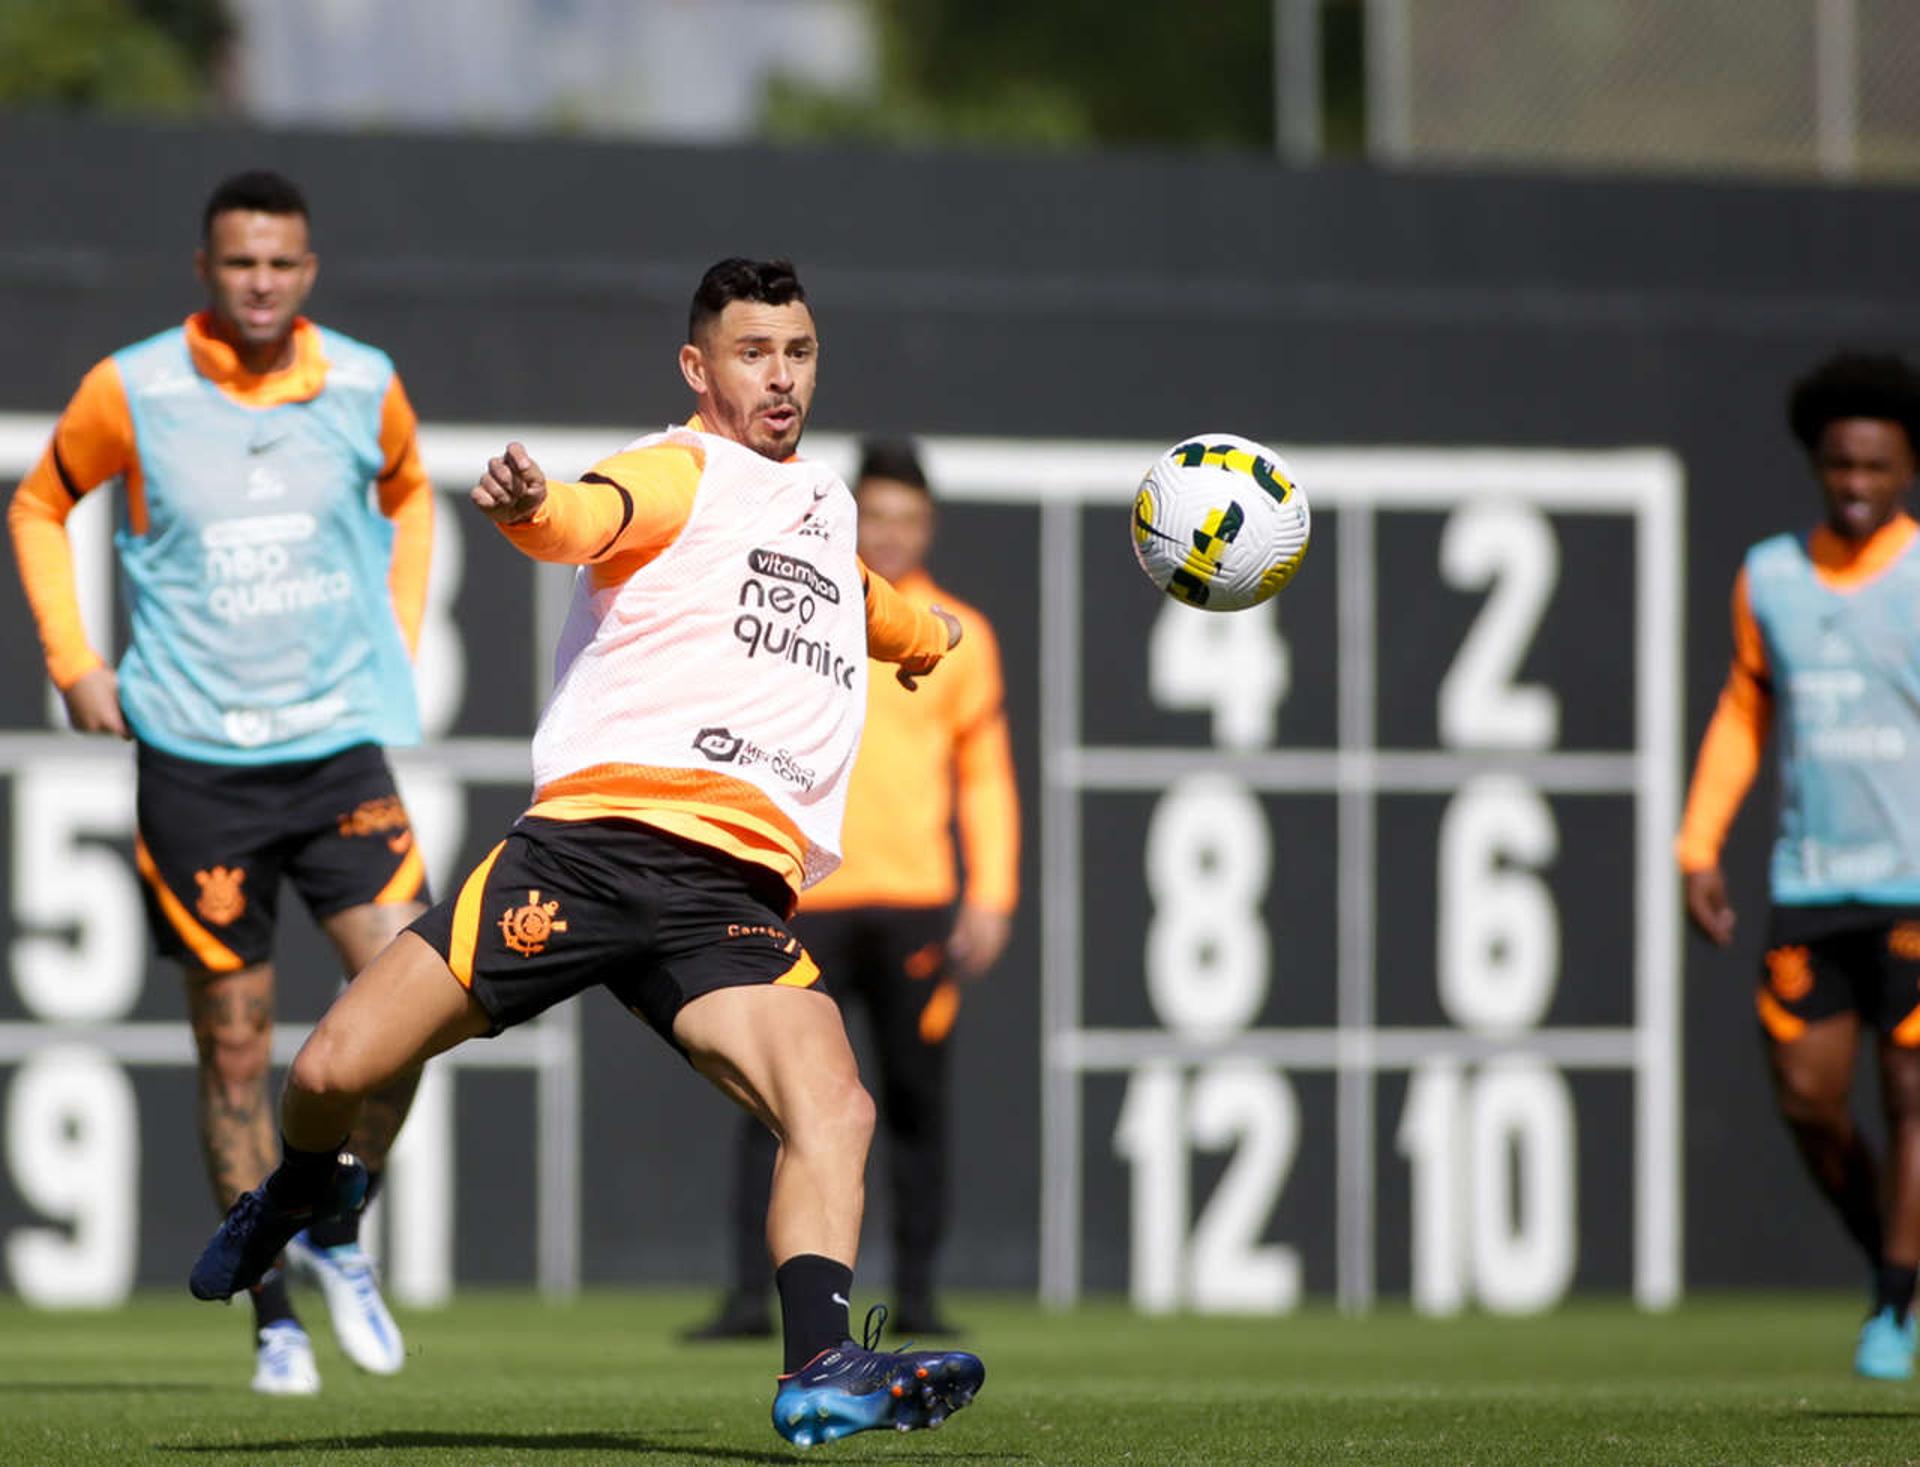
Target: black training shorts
[(215, 839), (562, 905), (1829, 960)]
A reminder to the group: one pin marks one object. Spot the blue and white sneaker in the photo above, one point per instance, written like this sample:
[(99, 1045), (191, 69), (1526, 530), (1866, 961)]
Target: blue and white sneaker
[(366, 1331), (254, 1231), (858, 1388), (283, 1365), (1885, 1351)]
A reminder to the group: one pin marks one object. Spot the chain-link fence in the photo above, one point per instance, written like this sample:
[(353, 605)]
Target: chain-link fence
[(1779, 86)]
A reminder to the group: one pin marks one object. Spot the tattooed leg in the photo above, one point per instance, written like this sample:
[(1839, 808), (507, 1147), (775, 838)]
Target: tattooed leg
[(232, 1017), (359, 934)]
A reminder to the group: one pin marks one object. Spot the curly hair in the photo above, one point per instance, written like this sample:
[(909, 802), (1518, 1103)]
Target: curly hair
[(1855, 385)]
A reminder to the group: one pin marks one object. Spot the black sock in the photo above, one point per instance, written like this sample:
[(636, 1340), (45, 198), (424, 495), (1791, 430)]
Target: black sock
[(270, 1302), (813, 1305), (301, 1175), (331, 1232), (1893, 1288)]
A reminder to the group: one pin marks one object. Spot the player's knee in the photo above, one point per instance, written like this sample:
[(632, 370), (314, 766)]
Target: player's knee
[(1811, 1106), (235, 1054), (321, 1072), (840, 1116)]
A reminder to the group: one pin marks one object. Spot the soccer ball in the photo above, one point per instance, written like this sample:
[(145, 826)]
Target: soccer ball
[(1220, 522)]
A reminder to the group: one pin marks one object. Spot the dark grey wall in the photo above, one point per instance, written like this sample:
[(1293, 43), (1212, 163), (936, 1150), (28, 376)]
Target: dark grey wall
[(1134, 296)]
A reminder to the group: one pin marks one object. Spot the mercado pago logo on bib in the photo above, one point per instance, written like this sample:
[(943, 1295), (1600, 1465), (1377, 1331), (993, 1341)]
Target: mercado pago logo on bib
[(778, 603)]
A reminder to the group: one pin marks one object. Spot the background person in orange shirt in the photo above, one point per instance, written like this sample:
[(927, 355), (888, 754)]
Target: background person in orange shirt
[(274, 542), (885, 927)]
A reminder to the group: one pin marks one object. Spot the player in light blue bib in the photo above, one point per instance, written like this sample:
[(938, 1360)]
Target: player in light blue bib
[(274, 532), (1827, 659)]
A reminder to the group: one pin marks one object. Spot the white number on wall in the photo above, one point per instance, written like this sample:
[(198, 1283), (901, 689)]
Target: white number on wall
[(1235, 667), (1494, 1182), (1250, 1108), (1510, 548), (1221, 1267), (1152, 1140), (73, 1151), (63, 883), (1208, 858), (1499, 934)]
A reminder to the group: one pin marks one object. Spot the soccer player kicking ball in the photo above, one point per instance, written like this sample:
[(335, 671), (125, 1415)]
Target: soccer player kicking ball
[(690, 771), (1827, 655)]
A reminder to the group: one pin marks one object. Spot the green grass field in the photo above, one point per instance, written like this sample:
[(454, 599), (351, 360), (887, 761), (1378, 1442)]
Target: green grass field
[(502, 1378)]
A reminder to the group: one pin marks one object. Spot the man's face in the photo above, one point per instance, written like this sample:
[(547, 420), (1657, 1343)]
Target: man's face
[(1865, 467), (258, 271), (753, 370), (896, 525)]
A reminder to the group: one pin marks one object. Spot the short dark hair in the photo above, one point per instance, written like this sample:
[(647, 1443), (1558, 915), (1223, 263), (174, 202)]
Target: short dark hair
[(892, 458), (257, 191), (1855, 385), (768, 282)]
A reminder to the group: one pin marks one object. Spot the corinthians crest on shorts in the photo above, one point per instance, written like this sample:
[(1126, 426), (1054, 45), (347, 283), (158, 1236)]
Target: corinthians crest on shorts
[(528, 929)]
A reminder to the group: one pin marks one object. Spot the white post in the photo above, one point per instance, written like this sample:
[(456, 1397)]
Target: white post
[(417, 1199), (1836, 86), (1296, 79), (1389, 81)]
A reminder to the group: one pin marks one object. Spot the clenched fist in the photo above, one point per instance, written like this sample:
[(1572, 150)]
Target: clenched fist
[(512, 489)]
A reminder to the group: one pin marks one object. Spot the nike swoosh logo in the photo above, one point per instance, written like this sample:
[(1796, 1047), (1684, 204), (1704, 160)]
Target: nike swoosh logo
[(841, 1302), (256, 448)]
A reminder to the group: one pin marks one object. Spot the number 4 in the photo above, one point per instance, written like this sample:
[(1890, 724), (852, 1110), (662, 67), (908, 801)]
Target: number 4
[(1234, 665)]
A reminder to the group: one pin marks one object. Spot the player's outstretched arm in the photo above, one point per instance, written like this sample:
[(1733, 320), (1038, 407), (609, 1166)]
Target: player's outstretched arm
[(628, 508)]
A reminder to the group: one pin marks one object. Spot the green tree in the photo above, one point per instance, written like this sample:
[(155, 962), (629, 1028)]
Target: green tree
[(111, 55), (1058, 73)]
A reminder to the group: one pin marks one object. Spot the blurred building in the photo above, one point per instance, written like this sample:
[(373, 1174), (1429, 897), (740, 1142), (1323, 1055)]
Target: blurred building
[(675, 69), (1721, 86)]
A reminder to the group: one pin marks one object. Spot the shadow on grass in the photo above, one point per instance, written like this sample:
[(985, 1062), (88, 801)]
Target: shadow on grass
[(575, 1441), (1892, 1413), (100, 1387)]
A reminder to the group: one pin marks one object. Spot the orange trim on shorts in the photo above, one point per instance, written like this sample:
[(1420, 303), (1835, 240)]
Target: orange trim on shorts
[(1907, 1033), (1785, 1027), (466, 919), (407, 881), (936, 1019), (803, 974), (213, 954)]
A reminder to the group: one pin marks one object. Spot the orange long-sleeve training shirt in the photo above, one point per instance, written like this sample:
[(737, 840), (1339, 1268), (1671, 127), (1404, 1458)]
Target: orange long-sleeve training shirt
[(927, 757), (94, 441), (1736, 736)]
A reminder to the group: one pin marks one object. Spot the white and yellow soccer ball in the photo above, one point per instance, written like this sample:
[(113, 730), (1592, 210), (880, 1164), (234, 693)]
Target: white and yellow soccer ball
[(1220, 522)]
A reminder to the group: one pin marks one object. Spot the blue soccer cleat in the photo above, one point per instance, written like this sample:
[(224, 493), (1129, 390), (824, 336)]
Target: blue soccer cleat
[(255, 1229), (1885, 1351), (858, 1388)]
